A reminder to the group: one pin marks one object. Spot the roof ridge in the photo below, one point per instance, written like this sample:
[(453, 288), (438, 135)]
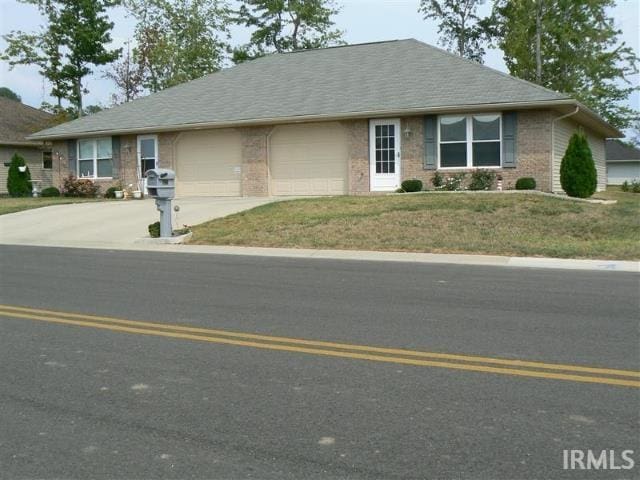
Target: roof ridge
[(19, 102), (495, 70), (346, 45)]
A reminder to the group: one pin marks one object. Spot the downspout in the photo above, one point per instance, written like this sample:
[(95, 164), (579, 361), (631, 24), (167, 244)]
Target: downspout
[(553, 142)]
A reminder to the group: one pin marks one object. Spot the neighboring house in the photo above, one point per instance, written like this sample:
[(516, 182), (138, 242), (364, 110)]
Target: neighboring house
[(16, 122), (623, 163), (342, 120)]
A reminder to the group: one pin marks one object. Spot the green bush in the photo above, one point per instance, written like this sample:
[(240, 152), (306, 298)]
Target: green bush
[(18, 183), (412, 185), (154, 230), (454, 183), (437, 180), (482, 180), (526, 183), (635, 186), (111, 192), (578, 175), (50, 192), (79, 187), (625, 186)]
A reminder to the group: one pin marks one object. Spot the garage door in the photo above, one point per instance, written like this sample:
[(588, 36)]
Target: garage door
[(619, 172), (309, 159), (208, 163)]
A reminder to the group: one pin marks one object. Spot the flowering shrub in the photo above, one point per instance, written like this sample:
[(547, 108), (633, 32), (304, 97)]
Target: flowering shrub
[(454, 183), (79, 187), (482, 180)]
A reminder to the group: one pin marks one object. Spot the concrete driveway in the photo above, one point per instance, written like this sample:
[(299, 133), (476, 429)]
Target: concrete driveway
[(114, 223)]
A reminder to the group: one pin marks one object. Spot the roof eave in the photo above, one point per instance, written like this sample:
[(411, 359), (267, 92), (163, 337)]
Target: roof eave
[(598, 121)]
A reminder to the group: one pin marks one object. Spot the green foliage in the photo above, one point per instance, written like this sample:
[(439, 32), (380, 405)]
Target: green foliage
[(286, 25), (461, 30), (18, 183), (526, 183), (79, 187), (634, 186), (578, 175), (128, 76), (111, 192), (178, 40), (437, 180), (50, 192), (454, 183), (569, 46), (154, 230), (10, 94), (73, 39), (413, 185), (482, 180)]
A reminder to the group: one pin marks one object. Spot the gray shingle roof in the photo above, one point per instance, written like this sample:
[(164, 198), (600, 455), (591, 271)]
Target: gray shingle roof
[(616, 150), (18, 120), (396, 76)]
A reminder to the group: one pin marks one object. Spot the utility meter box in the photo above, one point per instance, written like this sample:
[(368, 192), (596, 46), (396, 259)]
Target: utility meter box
[(161, 183)]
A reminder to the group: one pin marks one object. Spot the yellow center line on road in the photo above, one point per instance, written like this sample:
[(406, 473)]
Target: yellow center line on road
[(328, 348)]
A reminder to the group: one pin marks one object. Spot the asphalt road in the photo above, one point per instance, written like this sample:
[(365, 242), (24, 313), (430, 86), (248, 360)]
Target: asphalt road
[(87, 402)]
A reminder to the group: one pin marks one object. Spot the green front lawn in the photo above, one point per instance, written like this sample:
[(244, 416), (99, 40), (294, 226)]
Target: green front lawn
[(12, 205), (500, 224)]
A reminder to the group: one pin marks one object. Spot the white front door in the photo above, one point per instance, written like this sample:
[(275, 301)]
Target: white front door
[(384, 154), (147, 158)]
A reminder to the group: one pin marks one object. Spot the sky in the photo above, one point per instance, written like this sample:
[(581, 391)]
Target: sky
[(361, 21)]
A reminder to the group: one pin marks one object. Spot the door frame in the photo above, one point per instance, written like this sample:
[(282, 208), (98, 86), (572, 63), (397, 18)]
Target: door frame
[(142, 182), (372, 155)]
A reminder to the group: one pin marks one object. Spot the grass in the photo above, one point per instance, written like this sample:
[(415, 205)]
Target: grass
[(509, 224), (12, 205)]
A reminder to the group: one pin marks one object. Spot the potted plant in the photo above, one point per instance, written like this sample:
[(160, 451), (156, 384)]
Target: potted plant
[(137, 194)]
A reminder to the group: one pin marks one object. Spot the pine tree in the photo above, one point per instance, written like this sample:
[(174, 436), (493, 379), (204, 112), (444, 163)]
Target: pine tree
[(578, 175), (18, 183)]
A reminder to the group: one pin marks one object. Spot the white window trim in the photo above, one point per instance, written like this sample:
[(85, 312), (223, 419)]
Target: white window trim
[(94, 158), (469, 141), (139, 150)]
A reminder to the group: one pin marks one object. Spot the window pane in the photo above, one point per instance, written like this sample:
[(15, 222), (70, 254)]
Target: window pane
[(453, 129), (486, 154), (85, 168), (105, 168), (384, 131), (453, 155), (392, 142), (392, 129), (486, 127), (104, 148), (86, 148), (147, 164), (392, 167), (47, 161), (148, 148), (378, 167)]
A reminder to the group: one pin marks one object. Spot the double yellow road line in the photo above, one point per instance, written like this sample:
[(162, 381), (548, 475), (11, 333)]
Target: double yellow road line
[(574, 373)]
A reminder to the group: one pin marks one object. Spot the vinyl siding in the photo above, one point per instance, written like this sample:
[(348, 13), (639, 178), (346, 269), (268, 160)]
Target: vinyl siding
[(33, 158), (562, 133)]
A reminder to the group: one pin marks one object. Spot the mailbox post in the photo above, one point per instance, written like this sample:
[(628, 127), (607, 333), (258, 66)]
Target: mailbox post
[(161, 185)]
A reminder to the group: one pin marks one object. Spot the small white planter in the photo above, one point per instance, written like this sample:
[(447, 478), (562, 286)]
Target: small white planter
[(119, 194), (22, 168), (137, 194)]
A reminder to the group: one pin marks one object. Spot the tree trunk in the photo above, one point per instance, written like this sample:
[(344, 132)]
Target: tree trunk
[(79, 93), (538, 42)]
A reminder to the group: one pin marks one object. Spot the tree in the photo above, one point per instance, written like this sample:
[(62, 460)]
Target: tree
[(18, 183), (128, 77), (459, 27), (575, 50), (178, 40), (578, 175), (286, 25), (73, 40), (10, 94)]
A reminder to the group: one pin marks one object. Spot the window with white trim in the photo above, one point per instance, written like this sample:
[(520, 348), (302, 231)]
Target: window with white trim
[(95, 158), (47, 160), (470, 141)]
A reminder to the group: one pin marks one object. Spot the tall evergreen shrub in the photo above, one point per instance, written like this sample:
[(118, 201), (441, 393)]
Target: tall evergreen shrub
[(18, 183), (578, 175)]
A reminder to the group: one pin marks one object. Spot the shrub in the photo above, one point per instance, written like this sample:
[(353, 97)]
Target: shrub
[(635, 186), (79, 187), (454, 183), (437, 180), (50, 192), (154, 230), (111, 192), (482, 180), (526, 183), (18, 183), (625, 186), (412, 185), (578, 175)]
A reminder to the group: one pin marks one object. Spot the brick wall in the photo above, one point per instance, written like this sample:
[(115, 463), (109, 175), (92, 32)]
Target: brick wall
[(255, 172), (358, 138)]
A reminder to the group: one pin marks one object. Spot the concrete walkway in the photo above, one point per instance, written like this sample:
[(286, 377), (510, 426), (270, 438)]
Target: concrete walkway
[(110, 224)]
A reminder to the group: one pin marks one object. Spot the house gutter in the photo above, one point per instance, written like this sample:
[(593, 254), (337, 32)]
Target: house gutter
[(553, 141)]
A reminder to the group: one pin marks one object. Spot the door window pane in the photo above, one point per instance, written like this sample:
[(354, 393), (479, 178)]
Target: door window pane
[(453, 129), (453, 155), (486, 154), (147, 164), (105, 168), (104, 148), (85, 168), (85, 149), (148, 148), (486, 127)]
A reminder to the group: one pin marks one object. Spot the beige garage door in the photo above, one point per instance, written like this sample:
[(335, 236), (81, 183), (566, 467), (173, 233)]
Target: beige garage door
[(309, 159), (208, 163)]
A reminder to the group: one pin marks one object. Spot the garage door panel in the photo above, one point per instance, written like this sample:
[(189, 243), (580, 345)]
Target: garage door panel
[(310, 159), (209, 163)]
